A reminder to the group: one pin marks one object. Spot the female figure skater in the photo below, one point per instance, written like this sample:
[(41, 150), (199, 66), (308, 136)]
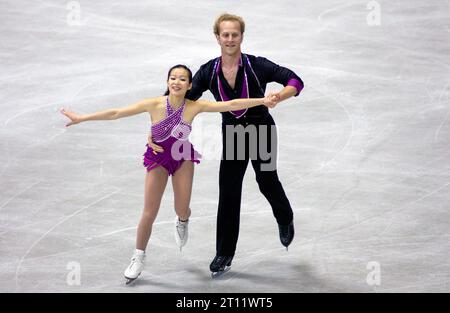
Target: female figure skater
[(171, 117)]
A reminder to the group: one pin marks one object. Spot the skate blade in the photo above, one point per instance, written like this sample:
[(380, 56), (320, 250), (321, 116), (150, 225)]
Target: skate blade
[(181, 247), (220, 273), (129, 281)]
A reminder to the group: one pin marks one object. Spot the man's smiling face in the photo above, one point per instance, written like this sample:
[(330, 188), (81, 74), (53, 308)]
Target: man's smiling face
[(230, 37)]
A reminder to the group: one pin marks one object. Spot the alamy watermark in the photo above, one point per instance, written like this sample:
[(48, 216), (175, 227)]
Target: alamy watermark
[(73, 278), (374, 16), (241, 142), (374, 276), (74, 15)]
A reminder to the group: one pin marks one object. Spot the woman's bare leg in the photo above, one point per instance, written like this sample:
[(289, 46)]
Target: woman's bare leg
[(182, 189), (155, 184)]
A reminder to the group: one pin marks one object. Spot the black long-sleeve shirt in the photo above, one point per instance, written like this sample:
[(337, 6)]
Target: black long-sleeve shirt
[(260, 71)]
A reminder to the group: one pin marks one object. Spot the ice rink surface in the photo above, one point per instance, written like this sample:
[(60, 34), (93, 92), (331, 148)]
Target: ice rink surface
[(364, 152)]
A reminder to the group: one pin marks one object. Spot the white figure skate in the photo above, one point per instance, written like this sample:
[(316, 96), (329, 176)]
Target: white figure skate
[(181, 232), (135, 268)]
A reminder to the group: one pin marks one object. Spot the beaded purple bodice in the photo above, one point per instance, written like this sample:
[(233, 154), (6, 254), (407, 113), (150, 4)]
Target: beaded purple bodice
[(172, 126)]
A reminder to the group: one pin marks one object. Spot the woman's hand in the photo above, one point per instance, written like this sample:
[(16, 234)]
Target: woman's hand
[(155, 148), (74, 117)]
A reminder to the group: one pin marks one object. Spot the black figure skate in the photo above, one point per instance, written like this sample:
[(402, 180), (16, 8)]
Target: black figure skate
[(220, 265), (286, 234)]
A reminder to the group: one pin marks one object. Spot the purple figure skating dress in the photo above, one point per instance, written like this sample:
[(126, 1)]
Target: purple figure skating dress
[(172, 135)]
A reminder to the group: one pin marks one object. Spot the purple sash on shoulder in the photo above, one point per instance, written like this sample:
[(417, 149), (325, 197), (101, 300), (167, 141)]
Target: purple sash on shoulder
[(223, 95)]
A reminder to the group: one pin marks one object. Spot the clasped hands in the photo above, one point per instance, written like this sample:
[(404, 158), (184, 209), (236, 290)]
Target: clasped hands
[(272, 99)]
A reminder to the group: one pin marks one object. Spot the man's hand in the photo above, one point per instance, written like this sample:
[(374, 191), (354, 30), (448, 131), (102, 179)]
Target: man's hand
[(272, 99), (155, 148)]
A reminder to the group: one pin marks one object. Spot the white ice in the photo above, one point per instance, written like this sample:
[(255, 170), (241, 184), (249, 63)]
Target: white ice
[(364, 151)]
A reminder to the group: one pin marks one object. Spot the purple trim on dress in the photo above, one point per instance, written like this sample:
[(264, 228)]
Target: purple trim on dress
[(297, 84)]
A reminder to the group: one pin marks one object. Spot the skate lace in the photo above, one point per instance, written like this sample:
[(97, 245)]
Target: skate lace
[(221, 261), (135, 260), (181, 229)]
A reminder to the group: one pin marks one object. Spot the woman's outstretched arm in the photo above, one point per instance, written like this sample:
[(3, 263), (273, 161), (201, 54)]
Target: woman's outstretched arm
[(111, 114), (236, 104)]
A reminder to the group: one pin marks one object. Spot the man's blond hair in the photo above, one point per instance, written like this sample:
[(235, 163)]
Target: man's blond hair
[(228, 17)]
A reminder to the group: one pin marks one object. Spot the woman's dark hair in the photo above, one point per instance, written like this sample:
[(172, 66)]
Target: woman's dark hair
[(189, 77)]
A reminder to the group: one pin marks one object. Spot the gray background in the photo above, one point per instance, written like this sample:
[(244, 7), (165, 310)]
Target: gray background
[(364, 151)]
